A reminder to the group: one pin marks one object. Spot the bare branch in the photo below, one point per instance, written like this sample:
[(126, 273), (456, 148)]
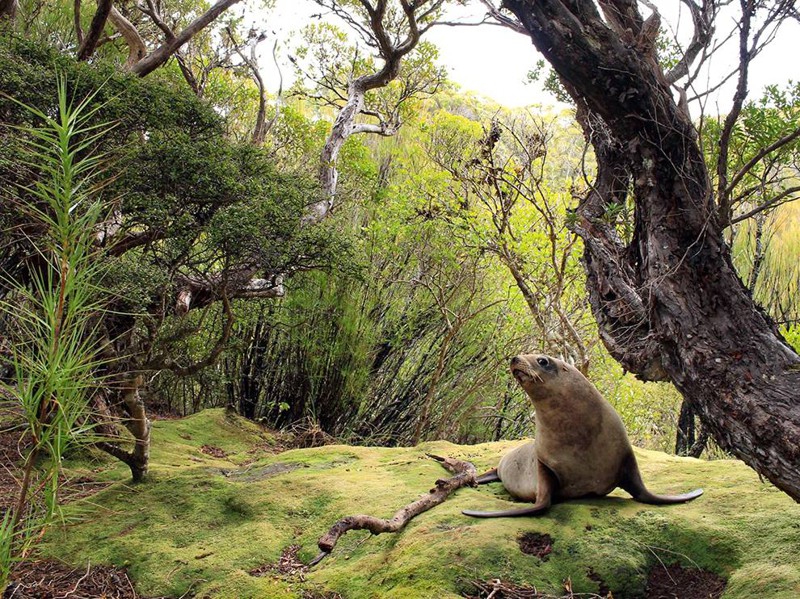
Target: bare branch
[(776, 145), (159, 56), (465, 475), (152, 12), (89, 44), (260, 129), (504, 20), (723, 198), (383, 129), (703, 20), (781, 198), (167, 362), (76, 17), (136, 47)]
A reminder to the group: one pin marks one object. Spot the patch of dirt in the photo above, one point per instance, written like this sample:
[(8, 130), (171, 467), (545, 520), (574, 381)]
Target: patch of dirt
[(499, 589), (213, 451), (287, 566), (267, 447), (49, 578), (676, 582), (535, 543)]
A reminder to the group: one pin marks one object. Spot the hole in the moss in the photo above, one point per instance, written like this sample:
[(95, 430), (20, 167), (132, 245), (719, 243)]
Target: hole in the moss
[(213, 451), (287, 565), (671, 582), (536, 543), (603, 589)]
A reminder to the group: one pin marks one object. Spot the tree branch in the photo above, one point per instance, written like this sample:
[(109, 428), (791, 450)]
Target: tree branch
[(465, 475), (76, 17), (786, 139), (159, 56), (86, 49), (152, 12), (703, 21), (167, 362), (771, 203), (509, 22), (136, 47), (383, 129)]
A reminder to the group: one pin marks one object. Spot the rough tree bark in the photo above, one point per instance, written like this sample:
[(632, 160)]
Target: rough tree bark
[(670, 304)]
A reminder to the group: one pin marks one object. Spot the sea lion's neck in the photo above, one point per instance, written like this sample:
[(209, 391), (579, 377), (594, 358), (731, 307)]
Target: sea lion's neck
[(559, 413)]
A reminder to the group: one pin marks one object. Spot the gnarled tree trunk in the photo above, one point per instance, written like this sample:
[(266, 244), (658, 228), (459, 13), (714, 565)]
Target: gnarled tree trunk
[(670, 304)]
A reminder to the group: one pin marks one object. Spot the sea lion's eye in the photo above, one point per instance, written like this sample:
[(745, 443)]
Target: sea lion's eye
[(542, 361)]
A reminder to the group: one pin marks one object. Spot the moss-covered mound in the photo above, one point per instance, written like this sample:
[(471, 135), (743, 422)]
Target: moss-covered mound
[(220, 505)]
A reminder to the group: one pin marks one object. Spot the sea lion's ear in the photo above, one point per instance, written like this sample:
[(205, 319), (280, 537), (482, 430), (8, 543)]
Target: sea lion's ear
[(564, 368)]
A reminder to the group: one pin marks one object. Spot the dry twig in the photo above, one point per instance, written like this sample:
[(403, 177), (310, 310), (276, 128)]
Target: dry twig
[(465, 474)]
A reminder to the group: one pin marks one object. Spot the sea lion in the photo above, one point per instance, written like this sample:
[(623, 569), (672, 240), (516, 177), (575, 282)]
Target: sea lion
[(581, 447)]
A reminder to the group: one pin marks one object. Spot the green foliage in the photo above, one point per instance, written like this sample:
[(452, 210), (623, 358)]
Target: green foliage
[(51, 321), (133, 104), (190, 207), (792, 335), (206, 201)]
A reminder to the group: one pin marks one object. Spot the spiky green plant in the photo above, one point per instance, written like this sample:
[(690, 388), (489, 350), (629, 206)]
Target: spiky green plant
[(53, 313)]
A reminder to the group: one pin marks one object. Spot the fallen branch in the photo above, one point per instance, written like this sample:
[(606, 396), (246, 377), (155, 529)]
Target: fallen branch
[(465, 475)]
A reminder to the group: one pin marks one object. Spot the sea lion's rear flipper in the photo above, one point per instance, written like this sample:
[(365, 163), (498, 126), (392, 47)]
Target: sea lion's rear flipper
[(488, 477), (631, 481), (546, 482)]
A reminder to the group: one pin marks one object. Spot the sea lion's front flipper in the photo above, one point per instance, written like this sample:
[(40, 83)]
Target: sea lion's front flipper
[(631, 481), (546, 486), (488, 477)]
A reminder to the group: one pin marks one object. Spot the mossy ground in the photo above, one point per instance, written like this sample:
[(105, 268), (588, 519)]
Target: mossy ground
[(200, 523)]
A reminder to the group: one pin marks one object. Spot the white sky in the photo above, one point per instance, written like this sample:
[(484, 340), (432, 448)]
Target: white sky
[(493, 61)]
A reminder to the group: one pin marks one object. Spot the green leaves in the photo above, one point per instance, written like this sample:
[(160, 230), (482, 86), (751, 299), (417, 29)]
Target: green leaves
[(52, 314)]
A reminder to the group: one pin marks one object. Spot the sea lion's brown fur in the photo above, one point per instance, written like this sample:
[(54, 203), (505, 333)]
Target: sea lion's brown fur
[(581, 447)]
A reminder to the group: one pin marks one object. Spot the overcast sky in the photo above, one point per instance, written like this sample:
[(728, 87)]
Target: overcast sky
[(494, 61)]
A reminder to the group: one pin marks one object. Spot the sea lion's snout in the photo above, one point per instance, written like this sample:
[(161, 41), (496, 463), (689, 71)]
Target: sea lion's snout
[(521, 370)]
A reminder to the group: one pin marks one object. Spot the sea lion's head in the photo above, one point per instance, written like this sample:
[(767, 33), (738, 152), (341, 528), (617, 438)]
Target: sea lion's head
[(544, 376)]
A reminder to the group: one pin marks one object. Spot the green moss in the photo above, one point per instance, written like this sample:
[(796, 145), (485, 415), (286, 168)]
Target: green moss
[(199, 524)]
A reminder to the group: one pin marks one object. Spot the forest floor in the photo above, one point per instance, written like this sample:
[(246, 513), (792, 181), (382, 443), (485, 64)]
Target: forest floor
[(226, 513)]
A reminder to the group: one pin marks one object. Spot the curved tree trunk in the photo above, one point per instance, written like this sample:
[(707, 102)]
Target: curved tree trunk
[(670, 304)]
